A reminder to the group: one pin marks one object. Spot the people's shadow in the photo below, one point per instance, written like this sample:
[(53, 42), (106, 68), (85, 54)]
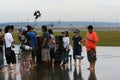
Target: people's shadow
[(25, 75), (11, 76), (92, 75), (77, 75), (2, 76)]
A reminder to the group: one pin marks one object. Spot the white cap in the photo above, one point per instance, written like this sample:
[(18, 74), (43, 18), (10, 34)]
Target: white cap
[(24, 29)]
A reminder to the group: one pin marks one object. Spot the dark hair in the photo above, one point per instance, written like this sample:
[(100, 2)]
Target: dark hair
[(29, 27), (50, 31), (8, 27), (11, 27), (44, 27), (0, 30), (67, 33), (90, 27)]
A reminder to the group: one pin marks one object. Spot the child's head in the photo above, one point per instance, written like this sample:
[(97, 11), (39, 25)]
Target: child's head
[(77, 32), (65, 34)]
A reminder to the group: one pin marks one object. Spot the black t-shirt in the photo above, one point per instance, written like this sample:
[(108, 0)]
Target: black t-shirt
[(47, 36), (76, 40)]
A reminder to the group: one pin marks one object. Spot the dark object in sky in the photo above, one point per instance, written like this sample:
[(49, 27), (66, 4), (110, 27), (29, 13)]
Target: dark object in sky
[(37, 14)]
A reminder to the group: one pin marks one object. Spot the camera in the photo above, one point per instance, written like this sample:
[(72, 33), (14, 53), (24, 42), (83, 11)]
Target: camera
[(26, 47), (13, 46)]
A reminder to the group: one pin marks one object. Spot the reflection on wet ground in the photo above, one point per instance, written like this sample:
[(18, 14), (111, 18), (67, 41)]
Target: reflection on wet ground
[(107, 68)]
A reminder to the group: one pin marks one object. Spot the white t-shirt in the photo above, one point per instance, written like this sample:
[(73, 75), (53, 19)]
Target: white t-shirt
[(66, 41), (8, 40)]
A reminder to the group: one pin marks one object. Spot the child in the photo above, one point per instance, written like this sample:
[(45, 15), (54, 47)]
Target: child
[(9, 53), (25, 54), (77, 47), (52, 45), (65, 51)]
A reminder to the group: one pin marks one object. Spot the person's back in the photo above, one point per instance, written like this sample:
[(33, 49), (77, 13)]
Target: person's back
[(52, 41), (45, 47), (47, 36), (33, 39)]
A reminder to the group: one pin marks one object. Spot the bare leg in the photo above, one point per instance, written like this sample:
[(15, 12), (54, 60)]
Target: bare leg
[(53, 64), (33, 62), (74, 61), (26, 65), (61, 63), (79, 62), (9, 68), (15, 70), (66, 65), (3, 70), (21, 65), (90, 66), (94, 64)]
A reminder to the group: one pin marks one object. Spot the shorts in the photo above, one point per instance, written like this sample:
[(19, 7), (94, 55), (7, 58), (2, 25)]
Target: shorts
[(65, 56), (33, 52), (45, 54), (26, 55), (91, 55), (10, 58), (1, 59), (76, 52), (52, 54)]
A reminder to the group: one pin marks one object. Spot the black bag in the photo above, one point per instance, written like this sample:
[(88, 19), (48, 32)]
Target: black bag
[(1, 48), (8, 52)]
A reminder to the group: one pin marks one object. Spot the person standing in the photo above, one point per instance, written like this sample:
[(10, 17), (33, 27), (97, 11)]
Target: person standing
[(52, 45), (90, 42), (9, 53), (33, 43), (77, 47), (65, 52), (1, 51), (25, 55), (45, 47)]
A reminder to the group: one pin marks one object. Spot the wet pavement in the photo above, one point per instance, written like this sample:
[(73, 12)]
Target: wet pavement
[(107, 68)]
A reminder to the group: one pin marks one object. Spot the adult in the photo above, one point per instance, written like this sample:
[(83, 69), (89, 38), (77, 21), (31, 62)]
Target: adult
[(91, 41), (52, 45), (9, 53), (45, 47), (33, 43), (1, 51), (25, 54)]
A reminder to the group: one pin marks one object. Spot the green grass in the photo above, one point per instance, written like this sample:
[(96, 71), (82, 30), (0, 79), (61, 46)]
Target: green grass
[(106, 38)]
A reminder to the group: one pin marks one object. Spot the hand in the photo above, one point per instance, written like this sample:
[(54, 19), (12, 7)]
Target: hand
[(73, 47), (42, 45), (88, 38), (66, 49), (37, 48)]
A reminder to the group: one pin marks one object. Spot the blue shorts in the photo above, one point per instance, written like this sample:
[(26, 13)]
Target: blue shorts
[(65, 56), (33, 52), (76, 52), (52, 54)]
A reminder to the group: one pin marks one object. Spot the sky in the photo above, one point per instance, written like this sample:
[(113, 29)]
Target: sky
[(64, 10)]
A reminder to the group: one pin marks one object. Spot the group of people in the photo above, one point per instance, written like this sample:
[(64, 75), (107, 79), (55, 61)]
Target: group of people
[(29, 46)]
